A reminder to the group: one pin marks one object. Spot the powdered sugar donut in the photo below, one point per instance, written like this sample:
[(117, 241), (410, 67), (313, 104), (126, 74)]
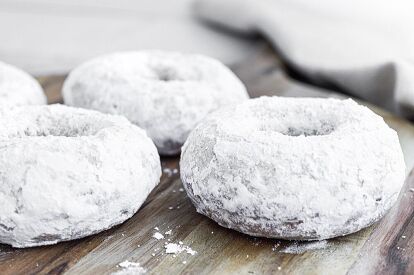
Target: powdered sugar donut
[(165, 93), (289, 168), (19, 88), (67, 173)]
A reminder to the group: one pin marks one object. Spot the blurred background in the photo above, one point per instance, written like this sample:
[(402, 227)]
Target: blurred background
[(363, 49), (53, 36)]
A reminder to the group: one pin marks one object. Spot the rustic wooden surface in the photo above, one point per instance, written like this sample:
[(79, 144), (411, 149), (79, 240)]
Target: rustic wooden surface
[(384, 248)]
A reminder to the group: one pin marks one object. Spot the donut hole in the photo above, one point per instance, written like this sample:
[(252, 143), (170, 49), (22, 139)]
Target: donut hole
[(296, 131), (59, 132), (165, 77), (166, 74), (290, 129), (64, 128)]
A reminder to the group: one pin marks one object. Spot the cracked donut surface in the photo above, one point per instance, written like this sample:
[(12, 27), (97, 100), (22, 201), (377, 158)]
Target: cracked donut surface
[(165, 93), (293, 168), (67, 173)]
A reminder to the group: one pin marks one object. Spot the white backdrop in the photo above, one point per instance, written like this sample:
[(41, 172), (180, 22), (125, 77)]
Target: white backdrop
[(52, 36)]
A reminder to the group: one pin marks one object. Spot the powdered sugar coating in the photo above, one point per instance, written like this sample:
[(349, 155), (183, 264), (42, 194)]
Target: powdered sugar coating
[(19, 88), (165, 93), (67, 173), (302, 168)]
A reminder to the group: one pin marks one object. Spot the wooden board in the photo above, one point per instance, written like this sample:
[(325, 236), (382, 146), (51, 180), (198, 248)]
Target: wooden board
[(384, 248)]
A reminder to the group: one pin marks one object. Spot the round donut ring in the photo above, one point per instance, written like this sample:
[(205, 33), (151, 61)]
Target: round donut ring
[(293, 168), (165, 93), (67, 173), (19, 88)]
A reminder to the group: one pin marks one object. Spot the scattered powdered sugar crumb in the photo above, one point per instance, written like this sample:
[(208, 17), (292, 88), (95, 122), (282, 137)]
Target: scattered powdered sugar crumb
[(127, 264), (176, 248), (156, 228), (169, 172), (190, 251), (169, 232), (130, 268), (302, 247), (158, 236), (172, 248)]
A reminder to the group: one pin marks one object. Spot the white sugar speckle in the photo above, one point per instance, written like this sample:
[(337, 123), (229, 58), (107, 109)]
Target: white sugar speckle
[(130, 268), (190, 251), (158, 236), (302, 247), (169, 232), (174, 248), (156, 228), (169, 172), (166, 170), (181, 189)]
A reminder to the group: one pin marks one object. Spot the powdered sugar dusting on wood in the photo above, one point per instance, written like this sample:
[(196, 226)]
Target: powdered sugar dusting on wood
[(302, 247), (177, 248), (130, 268), (158, 236)]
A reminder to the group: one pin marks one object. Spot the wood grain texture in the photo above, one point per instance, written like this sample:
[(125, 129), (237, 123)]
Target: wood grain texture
[(384, 248)]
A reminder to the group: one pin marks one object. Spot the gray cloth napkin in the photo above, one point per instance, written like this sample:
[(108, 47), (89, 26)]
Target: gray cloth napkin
[(363, 47)]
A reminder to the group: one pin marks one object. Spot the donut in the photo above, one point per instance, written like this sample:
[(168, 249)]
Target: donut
[(293, 168), (67, 173), (165, 93), (19, 88)]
